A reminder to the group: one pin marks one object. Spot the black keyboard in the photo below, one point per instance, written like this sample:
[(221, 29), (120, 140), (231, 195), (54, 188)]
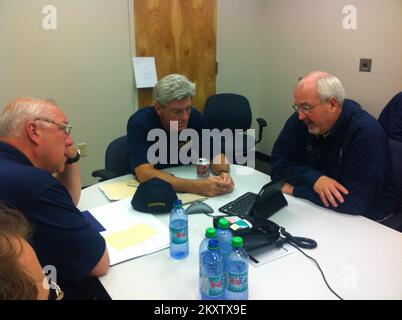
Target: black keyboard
[(240, 206)]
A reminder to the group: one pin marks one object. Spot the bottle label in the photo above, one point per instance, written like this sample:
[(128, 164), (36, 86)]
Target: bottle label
[(179, 236), (213, 286), (237, 282)]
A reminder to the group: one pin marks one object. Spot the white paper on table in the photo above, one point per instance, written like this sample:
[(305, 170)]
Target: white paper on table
[(145, 72), (125, 189), (119, 190), (263, 255), (130, 233)]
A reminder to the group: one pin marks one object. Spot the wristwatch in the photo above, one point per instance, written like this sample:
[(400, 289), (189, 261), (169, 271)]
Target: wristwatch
[(75, 159)]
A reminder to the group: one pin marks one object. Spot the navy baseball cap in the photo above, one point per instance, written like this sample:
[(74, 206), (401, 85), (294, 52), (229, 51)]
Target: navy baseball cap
[(154, 196)]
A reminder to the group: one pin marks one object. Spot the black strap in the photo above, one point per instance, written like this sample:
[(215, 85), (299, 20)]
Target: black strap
[(301, 242)]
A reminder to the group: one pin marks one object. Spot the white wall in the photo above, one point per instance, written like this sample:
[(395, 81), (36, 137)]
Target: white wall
[(240, 50), (84, 65)]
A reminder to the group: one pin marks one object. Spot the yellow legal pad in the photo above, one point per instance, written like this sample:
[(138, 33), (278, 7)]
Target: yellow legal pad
[(131, 236), (125, 189), (120, 189)]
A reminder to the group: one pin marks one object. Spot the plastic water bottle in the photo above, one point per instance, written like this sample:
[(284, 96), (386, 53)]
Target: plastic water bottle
[(224, 236), (237, 272), (210, 233), (212, 278), (178, 231)]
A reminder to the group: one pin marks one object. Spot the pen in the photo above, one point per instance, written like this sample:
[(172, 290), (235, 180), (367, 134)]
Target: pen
[(132, 184), (253, 259)]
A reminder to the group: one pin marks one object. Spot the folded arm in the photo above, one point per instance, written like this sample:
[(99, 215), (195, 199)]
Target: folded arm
[(363, 178), (208, 187)]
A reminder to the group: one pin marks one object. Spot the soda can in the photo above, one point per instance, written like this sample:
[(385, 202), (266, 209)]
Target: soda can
[(202, 165)]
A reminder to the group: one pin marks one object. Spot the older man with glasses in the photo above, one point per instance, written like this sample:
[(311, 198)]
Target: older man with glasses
[(39, 176), (172, 112), (333, 153)]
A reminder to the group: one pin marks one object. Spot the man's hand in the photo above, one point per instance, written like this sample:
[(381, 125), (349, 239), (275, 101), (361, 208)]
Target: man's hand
[(287, 188), (208, 187), (330, 191), (71, 151), (227, 181), (213, 186), (70, 176)]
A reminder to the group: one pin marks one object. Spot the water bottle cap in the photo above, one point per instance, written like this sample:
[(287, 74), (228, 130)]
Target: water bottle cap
[(237, 242), (223, 223), (177, 204), (210, 233), (213, 244)]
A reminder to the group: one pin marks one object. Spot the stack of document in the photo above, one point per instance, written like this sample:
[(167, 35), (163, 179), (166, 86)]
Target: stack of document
[(125, 189), (130, 233), (263, 255), (119, 190)]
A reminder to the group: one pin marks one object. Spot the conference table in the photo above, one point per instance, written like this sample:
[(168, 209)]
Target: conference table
[(361, 259)]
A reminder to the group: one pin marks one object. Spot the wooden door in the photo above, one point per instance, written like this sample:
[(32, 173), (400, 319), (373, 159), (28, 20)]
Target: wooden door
[(181, 35)]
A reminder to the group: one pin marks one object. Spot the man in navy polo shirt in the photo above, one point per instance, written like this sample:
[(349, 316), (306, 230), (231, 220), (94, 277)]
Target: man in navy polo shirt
[(172, 112), (333, 153), (35, 143)]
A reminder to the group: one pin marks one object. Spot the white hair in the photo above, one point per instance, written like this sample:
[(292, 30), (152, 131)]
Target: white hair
[(331, 86), (173, 87), (327, 86), (17, 112)]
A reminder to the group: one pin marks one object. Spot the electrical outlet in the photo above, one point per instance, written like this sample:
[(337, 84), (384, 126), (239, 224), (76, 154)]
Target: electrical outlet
[(83, 149), (365, 65)]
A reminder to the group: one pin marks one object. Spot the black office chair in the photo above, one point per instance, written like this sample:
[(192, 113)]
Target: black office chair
[(395, 222), (116, 160), (396, 151), (391, 118), (232, 111)]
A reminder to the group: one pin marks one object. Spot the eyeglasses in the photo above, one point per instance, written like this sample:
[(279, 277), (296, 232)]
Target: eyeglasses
[(177, 112), (62, 126), (306, 108), (58, 292)]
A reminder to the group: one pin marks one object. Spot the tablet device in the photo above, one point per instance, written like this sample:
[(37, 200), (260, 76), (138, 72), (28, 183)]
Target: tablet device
[(262, 205)]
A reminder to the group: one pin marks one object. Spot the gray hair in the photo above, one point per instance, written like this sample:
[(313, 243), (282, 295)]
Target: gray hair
[(173, 87), (17, 112), (327, 86)]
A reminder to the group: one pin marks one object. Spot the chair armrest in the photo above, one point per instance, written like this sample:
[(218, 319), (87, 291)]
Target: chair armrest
[(104, 174), (261, 124)]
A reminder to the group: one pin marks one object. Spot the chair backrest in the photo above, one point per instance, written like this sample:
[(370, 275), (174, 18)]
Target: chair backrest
[(391, 118), (116, 156), (396, 151), (228, 110)]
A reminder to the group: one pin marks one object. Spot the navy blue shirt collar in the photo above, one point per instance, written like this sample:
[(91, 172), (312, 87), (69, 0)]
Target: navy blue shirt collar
[(343, 119), (16, 154)]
